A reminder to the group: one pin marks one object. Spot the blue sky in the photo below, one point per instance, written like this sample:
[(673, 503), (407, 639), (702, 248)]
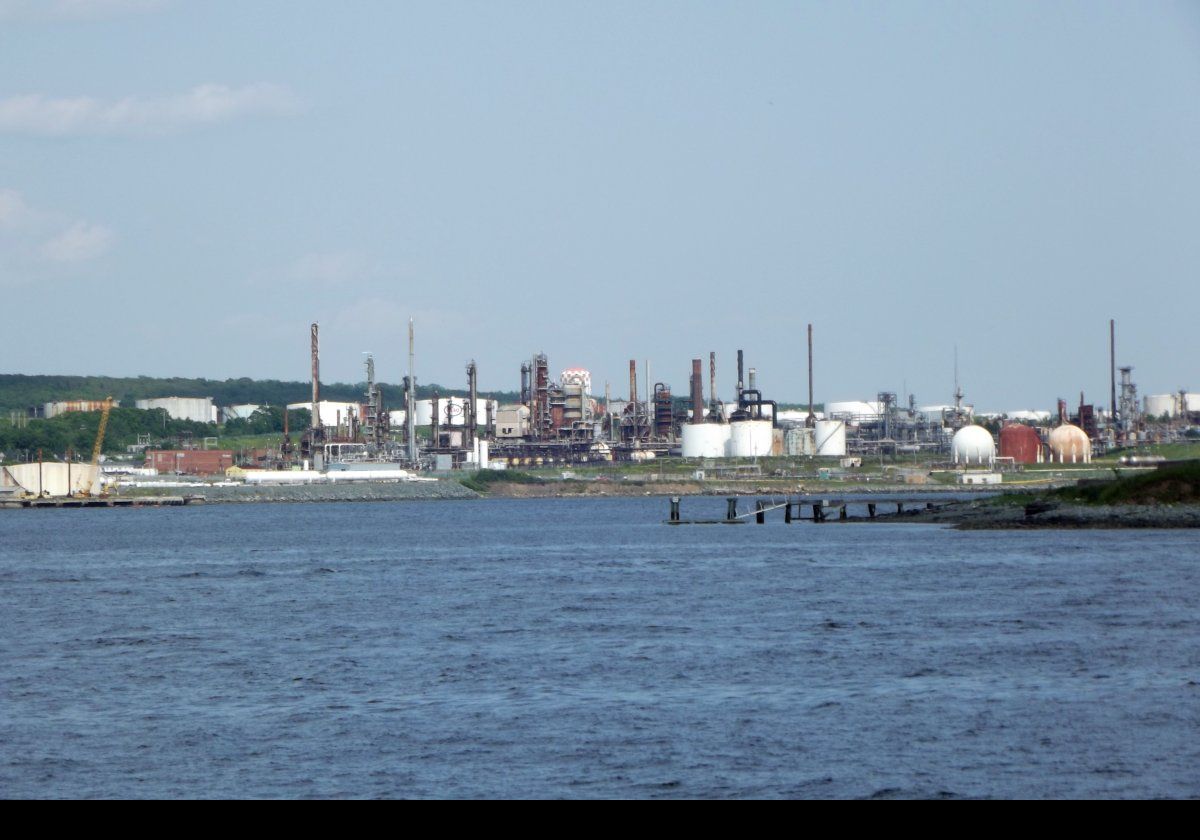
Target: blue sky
[(185, 186)]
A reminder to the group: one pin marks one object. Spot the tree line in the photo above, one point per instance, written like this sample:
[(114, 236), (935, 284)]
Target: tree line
[(75, 432), (19, 392)]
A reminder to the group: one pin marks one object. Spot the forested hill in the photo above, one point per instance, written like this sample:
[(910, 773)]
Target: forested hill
[(19, 392)]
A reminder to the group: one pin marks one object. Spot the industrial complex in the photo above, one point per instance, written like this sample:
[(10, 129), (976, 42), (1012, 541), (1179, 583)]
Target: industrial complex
[(559, 419)]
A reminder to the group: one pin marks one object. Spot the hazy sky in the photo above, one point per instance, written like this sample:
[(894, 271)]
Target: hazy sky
[(185, 186)]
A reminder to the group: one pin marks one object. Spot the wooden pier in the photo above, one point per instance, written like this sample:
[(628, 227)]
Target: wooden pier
[(794, 510)]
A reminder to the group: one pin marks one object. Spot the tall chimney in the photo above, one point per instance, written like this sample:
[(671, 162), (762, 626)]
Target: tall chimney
[(811, 420), (712, 377), (632, 381), (740, 380), (316, 381), (697, 392), (1112, 372), (470, 420), (410, 402)]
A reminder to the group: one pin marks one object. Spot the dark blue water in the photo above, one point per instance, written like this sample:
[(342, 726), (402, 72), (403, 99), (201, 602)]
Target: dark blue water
[(582, 649)]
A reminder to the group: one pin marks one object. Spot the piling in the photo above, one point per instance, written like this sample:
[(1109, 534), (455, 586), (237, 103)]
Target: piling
[(731, 508), (760, 516)]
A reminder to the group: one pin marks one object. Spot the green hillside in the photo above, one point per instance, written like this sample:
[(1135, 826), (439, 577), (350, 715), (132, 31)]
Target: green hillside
[(19, 392)]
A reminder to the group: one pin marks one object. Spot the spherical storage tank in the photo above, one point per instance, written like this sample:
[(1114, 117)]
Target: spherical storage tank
[(973, 445), (831, 438), (705, 440), (750, 438), (1070, 444)]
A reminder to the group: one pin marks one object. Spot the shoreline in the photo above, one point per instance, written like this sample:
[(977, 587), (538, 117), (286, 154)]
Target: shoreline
[(976, 511)]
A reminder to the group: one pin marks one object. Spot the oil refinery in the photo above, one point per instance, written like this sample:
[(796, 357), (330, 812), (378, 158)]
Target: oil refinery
[(560, 419)]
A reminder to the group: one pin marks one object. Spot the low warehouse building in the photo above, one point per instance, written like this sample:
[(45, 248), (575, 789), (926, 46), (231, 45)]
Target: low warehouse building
[(190, 461)]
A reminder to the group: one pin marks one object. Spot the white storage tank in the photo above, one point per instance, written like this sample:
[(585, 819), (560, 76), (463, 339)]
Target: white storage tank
[(481, 410), (705, 440), (479, 455), (800, 441), (452, 411), (330, 413), (197, 409), (831, 438), (750, 439), (973, 445), (852, 408), (1070, 445), (1160, 404)]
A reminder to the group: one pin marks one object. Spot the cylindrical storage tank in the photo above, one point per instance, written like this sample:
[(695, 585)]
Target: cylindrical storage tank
[(1070, 445), (831, 438), (1159, 405), (480, 454), (423, 412), (800, 441), (452, 411), (1021, 443), (1191, 402), (705, 440), (852, 408), (481, 411), (973, 445), (750, 439)]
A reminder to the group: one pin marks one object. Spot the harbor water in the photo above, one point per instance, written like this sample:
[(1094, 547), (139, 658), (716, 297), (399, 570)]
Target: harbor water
[(580, 648)]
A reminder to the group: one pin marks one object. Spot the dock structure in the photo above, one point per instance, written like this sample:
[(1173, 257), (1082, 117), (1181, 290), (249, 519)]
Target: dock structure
[(794, 510), (103, 502)]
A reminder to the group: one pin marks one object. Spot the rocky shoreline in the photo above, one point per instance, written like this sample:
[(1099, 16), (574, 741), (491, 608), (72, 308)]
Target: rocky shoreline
[(396, 491), (990, 515)]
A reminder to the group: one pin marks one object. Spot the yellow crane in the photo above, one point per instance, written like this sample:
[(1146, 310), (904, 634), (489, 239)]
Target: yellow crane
[(86, 488)]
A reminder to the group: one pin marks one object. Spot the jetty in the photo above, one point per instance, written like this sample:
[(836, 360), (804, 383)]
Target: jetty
[(102, 502), (820, 510)]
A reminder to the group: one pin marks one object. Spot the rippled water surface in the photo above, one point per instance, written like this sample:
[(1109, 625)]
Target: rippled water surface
[(580, 648)]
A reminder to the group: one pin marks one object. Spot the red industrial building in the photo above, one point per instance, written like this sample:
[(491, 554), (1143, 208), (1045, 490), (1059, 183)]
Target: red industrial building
[(190, 461), (1022, 444)]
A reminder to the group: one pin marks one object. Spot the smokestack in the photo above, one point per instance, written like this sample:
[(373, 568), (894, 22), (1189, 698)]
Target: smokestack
[(697, 392), (811, 420), (633, 381), (470, 419), (754, 379), (712, 377), (316, 381), (1112, 371), (410, 401), (739, 379)]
